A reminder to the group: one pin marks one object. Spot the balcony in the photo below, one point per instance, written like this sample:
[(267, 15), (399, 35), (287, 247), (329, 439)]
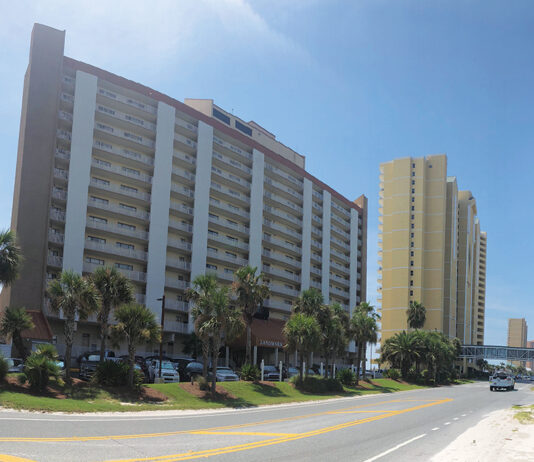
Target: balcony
[(286, 176), (185, 141), (316, 231), (292, 207), (54, 261), (318, 208), (61, 174), (340, 280), (342, 245), (180, 226), (232, 148), (340, 255), (127, 100), (183, 174), (117, 209), (125, 135), (56, 215), (116, 250), (176, 305), (275, 288), (178, 264), (282, 228), (281, 273), (116, 229), (176, 244), (229, 243), (229, 194), (315, 243), (121, 171), (182, 123), (64, 115), (59, 194), (277, 305), (316, 271), (225, 223), (339, 267), (67, 98), (63, 154), (279, 257), (340, 232), (340, 209), (181, 208), (223, 275), (282, 187), (282, 215), (318, 195), (230, 178), (229, 208), (227, 258), (114, 188), (138, 122), (136, 276), (124, 153), (231, 163), (339, 293), (56, 238), (283, 244), (175, 327), (316, 285), (176, 283), (182, 156)]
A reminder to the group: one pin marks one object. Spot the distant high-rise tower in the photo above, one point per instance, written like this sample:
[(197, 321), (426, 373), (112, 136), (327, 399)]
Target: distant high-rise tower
[(431, 250)]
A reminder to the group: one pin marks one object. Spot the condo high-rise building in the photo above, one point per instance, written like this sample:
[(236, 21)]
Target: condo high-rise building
[(530, 364), (517, 336), (113, 173), (430, 250)]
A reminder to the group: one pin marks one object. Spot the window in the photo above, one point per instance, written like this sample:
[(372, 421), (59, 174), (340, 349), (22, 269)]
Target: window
[(411, 263), (124, 266), (413, 208), (242, 127), (212, 215), (99, 220), (413, 190), (222, 117), (212, 233), (233, 239), (86, 340), (413, 226), (99, 200), (94, 261), (413, 199), (122, 245), (413, 217), (411, 283), (411, 293), (230, 254), (96, 239), (413, 173), (411, 272), (411, 244), (228, 271), (413, 182), (211, 267), (412, 235), (133, 137), (213, 249), (130, 208), (413, 165), (411, 253), (104, 163), (126, 226)]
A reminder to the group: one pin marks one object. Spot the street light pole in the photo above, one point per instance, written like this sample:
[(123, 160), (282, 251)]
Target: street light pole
[(161, 339)]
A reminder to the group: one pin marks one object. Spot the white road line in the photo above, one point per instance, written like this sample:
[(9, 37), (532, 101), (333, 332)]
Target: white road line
[(447, 423), (463, 415), (456, 418), (389, 451), (435, 428)]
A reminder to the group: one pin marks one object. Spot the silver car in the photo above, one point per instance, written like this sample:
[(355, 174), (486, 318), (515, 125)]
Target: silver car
[(225, 374), (15, 365)]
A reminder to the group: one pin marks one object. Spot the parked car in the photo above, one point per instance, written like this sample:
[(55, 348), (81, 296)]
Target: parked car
[(143, 366), (168, 373), (502, 380), (181, 363), (192, 370), (224, 374), (14, 364), (271, 373), (108, 354)]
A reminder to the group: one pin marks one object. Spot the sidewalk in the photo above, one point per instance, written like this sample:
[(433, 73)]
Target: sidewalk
[(497, 437)]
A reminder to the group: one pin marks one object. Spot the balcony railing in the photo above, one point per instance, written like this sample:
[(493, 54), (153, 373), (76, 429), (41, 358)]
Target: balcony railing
[(281, 214), (185, 140), (229, 208), (183, 173), (116, 250), (281, 273), (282, 228), (57, 215), (55, 261), (230, 193), (59, 194), (176, 244), (180, 226), (181, 208), (183, 190), (175, 263), (283, 187), (230, 177), (58, 238), (60, 173), (223, 256), (185, 157), (186, 125), (283, 174), (125, 117), (283, 290), (232, 162), (227, 224), (62, 153), (118, 190), (284, 244), (113, 228), (176, 283), (127, 100), (140, 214), (121, 171), (295, 263), (231, 147), (176, 305), (227, 241), (123, 152), (137, 276)]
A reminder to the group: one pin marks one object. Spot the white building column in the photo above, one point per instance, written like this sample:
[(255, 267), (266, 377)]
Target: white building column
[(160, 199), (325, 262), (353, 278), (81, 147), (199, 247), (307, 198), (256, 210)]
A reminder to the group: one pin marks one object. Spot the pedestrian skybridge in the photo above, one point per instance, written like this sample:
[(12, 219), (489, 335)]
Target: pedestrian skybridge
[(504, 353)]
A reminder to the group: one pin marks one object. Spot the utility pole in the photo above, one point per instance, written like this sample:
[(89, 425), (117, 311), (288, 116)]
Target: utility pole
[(161, 339)]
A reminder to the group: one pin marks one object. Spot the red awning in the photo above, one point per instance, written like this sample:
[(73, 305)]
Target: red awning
[(41, 329)]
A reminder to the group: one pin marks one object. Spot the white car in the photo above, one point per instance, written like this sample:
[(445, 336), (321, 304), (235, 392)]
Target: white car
[(224, 374), (502, 380), (168, 373)]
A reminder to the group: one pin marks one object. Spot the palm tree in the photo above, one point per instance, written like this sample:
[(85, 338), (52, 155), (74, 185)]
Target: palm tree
[(303, 334), (416, 315), (10, 257), (75, 297), (400, 351), (136, 324), (309, 303), (222, 321), (334, 332), (114, 289), (200, 293), (251, 293), (364, 329), (14, 321)]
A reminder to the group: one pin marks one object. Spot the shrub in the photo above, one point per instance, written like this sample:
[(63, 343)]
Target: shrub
[(203, 384), (346, 377), (38, 370), (317, 385), (111, 374), (250, 373), (393, 374), (413, 376), (4, 367)]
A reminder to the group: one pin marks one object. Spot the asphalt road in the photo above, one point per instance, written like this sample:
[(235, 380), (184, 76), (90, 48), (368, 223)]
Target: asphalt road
[(411, 425)]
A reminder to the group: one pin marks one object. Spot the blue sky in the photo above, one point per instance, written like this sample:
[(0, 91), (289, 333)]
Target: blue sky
[(349, 84)]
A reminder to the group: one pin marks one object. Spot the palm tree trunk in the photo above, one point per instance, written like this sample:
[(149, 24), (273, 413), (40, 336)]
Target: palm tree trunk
[(19, 344), (301, 365), (131, 360), (326, 365), (358, 363), (69, 333), (103, 338), (364, 360), (205, 356), (248, 359), (215, 356)]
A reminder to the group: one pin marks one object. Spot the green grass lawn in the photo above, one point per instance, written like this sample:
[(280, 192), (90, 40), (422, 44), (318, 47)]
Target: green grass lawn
[(525, 414), (88, 398)]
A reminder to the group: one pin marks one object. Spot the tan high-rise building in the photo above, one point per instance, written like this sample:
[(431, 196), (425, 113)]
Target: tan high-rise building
[(113, 173), (427, 232), (517, 336), (530, 364), (479, 319)]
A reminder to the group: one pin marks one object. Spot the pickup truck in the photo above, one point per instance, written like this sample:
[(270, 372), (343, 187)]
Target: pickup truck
[(502, 380)]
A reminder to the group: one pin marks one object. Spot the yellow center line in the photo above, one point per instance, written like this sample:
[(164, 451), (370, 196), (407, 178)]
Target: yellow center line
[(203, 432), (247, 446), (67, 439), (357, 411)]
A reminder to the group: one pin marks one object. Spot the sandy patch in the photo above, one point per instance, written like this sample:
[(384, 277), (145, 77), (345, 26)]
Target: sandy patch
[(498, 437)]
